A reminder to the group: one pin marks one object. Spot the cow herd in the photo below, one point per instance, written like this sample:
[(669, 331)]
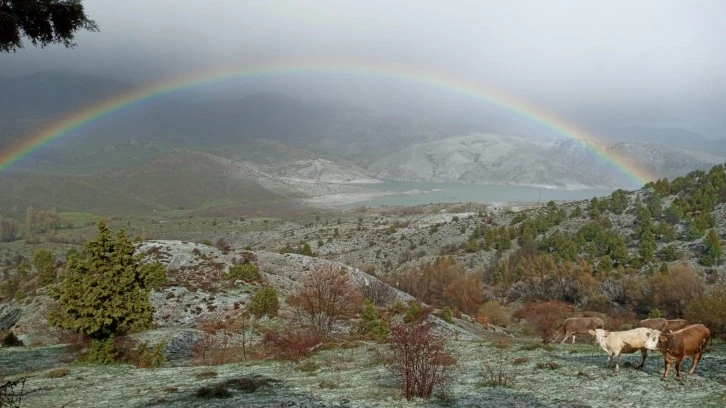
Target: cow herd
[(675, 339)]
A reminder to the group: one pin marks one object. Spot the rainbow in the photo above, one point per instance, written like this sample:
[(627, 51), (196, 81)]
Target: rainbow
[(73, 122)]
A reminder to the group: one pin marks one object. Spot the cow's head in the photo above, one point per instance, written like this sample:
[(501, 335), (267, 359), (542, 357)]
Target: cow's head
[(653, 340), (599, 334)]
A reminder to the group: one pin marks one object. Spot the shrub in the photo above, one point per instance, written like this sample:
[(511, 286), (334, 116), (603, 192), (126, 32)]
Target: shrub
[(216, 391), (552, 365), (442, 283), (502, 344), (380, 293), (247, 272), (709, 309), (12, 393), (325, 296), (545, 317), (44, 263), (102, 351), (447, 315), (145, 357), (223, 245), (265, 303), (10, 340), (206, 375), (56, 373), (290, 343), (416, 313), (370, 324), (418, 357), (498, 373), (496, 313)]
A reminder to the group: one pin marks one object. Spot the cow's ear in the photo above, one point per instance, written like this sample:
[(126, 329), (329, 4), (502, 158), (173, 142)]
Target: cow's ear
[(591, 331)]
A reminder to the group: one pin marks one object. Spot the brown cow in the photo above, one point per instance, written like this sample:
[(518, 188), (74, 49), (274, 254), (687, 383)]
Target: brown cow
[(580, 325), (655, 324), (664, 325), (689, 341), (675, 324)]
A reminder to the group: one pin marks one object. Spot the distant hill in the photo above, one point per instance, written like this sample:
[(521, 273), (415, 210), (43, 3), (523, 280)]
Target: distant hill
[(499, 159)]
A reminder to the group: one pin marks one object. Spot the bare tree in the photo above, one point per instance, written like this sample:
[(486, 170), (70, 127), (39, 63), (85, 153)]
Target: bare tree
[(325, 296)]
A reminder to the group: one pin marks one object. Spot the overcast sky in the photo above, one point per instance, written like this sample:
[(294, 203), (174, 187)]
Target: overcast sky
[(639, 62)]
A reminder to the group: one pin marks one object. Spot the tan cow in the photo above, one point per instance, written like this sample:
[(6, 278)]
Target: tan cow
[(689, 341), (625, 342), (580, 325)]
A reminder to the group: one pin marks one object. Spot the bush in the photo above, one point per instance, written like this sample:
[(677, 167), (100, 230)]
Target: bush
[(102, 351), (498, 373), (56, 373), (12, 393), (145, 357), (10, 340), (216, 391), (418, 357), (290, 343), (552, 365), (709, 309), (447, 315), (265, 303), (545, 317), (206, 375), (325, 296), (496, 313), (370, 324), (247, 272)]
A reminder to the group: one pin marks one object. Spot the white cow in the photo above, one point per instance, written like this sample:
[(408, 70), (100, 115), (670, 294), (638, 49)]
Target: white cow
[(625, 342)]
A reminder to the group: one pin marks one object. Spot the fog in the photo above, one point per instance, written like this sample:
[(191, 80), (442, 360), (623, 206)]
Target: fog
[(604, 65)]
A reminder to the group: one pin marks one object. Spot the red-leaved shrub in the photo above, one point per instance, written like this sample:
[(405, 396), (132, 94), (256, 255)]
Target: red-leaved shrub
[(418, 357), (290, 343)]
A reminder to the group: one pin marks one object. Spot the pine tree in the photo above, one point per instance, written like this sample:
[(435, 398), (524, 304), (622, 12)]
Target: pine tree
[(370, 324), (44, 263), (105, 290), (713, 249), (265, 302)]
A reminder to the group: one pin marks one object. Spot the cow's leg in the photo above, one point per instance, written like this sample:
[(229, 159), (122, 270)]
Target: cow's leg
[(617, 363), (643, 355), (678, 368), (564, 338), (573, 339), (696, 359), (667, 364)]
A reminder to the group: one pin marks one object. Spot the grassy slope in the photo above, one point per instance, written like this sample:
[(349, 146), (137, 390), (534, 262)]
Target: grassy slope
[(358, 375)]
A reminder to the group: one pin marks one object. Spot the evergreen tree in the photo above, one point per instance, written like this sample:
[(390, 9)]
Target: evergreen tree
[(44, 263), (370, 324), (43, 22), (105, 290), (713, 249), (265, 303), (647, 246)]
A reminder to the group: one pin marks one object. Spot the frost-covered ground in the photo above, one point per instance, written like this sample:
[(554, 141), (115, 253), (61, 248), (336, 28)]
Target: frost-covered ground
[(356, 377)]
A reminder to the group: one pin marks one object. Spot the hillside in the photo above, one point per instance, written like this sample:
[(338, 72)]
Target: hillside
[(499, 159), (622, 257)]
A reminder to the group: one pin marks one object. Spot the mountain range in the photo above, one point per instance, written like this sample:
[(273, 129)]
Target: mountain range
[(195, 152)]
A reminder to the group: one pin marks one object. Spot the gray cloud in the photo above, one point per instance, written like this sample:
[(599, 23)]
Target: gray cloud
[(648, 61)]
